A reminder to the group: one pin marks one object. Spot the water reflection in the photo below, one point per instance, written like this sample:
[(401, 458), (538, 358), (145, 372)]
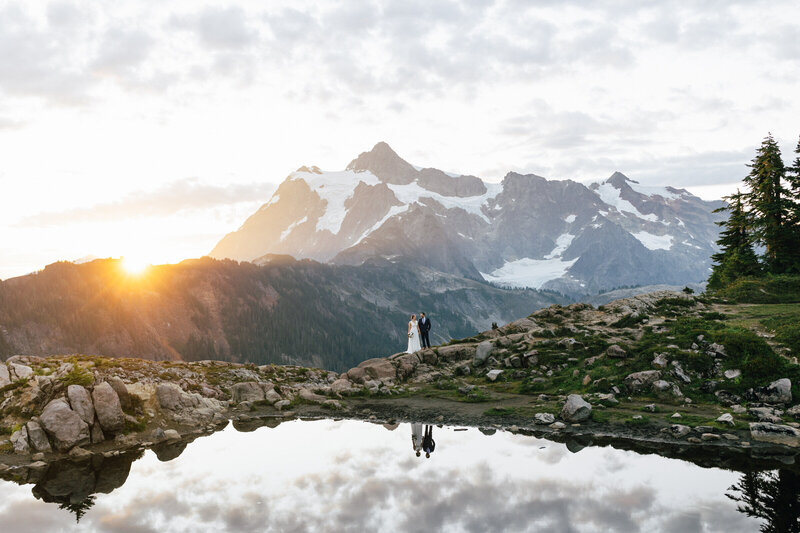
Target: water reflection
[(773, 497), (348, 476)]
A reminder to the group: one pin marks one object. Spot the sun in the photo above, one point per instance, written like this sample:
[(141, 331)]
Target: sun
[(134, 264)]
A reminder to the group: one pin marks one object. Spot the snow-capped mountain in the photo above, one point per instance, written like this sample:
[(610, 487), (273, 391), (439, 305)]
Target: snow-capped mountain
[(526, 231)]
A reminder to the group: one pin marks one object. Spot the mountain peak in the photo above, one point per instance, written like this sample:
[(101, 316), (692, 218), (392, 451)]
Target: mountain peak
[(385, 164), (618, 179)]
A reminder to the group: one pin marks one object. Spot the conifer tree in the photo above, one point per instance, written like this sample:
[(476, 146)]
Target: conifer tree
[(770, 206), (736, 258), (793, 177)]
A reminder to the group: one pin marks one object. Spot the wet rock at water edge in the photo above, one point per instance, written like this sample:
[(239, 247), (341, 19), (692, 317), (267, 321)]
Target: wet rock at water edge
[(775, 433), (544, 418), (64, 425), (576, 409), (248, 391)]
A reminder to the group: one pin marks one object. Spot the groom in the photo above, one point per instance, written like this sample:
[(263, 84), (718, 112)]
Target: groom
[(424, 324)]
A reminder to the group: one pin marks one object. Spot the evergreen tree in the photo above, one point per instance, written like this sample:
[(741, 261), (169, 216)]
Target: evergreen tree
[(736, 257), (793, 177), (771, 206)]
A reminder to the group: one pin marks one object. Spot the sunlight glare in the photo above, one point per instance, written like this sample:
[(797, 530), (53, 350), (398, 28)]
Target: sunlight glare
[(134, 264)]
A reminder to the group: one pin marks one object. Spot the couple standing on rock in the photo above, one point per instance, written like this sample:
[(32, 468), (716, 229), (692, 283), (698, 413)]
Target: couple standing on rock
[(418, 329), (422, 441)]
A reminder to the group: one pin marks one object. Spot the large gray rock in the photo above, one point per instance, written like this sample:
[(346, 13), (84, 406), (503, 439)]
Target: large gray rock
[(779, 391), (678, 372), (639, 381), (341, 386), (544, 419), (122, 392), (81, 403), (482, 352), (616, 351), (492, 375), (665, 389), (576, 409), (169, 396), (19, 440), (108, 408), (775, 434), (5, 376), (20, 371), (379, 368), (64, 425), (38, 437), (249, 391)]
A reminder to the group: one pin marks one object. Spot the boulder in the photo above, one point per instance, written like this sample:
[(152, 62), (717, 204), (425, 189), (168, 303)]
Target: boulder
[(456, 352), (341, 386), (5, 376), (775, 434), (97, 434), (64, 425), (794, 411), (717, 349), (660, 360), (765, 414), (172, 435), (678, 372), (122, 392), (615, 350), (356, 375), (273, 397), (664, 388), (20, 371), (81, 403), (108, 408), (543, 418), (249, 391), (638, 381), (492, 375), (779, 391), (732, 373), (169, 396), (19, 440), (679, 430), (482, 352), (378, 368), (576, 409), (726, 419), (309, 396), (37, 437)]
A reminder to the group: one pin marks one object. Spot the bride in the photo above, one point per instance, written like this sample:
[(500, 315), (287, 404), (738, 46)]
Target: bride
[(413, 335)]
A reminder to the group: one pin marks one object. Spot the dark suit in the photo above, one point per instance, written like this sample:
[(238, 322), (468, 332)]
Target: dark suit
[(424, 327)]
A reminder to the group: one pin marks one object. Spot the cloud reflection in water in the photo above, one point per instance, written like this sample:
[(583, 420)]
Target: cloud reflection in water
[(351, 476)]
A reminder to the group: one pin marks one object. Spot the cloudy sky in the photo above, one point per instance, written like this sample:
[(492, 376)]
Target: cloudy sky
[(153, 128)]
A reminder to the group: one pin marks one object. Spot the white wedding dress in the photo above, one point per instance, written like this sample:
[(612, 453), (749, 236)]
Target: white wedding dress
[(413, 340)]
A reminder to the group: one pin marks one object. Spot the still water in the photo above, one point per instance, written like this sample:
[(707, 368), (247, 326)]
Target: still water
[(353, 476)]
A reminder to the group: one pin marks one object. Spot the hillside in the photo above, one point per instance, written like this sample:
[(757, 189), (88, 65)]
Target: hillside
[(281, 311), (526, 231)]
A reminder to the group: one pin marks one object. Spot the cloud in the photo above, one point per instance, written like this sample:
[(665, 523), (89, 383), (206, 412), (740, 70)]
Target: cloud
[(122, 49), (219, 28), (182, 195)]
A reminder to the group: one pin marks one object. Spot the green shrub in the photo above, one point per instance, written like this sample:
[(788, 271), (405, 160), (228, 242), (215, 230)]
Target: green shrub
[(629, 321), (771, 289), (77, 376)]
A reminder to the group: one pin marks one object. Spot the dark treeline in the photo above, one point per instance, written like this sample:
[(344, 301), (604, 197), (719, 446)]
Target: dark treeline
[(764, 217)]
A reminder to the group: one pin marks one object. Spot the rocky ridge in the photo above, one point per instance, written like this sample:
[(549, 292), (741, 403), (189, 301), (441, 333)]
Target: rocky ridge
[(574, 370)]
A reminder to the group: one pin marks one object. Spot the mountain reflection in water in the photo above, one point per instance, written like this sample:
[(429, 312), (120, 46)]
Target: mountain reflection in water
[(354, 476)]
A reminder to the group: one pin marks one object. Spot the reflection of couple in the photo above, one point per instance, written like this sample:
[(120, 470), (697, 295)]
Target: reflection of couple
[(418, 330), (422, 441)]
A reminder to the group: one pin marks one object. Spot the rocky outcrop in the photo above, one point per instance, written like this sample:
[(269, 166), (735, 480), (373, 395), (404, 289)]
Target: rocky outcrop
[(5, 376), (63, 425), (248, 391)]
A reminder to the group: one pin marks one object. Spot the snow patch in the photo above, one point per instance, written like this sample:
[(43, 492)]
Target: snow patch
[(562, 243), (293, 225), (335, 188), (654, 242), (570, 219), (530, 273), (649, 190), (610, 195), (413, 193), (273, 200)]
